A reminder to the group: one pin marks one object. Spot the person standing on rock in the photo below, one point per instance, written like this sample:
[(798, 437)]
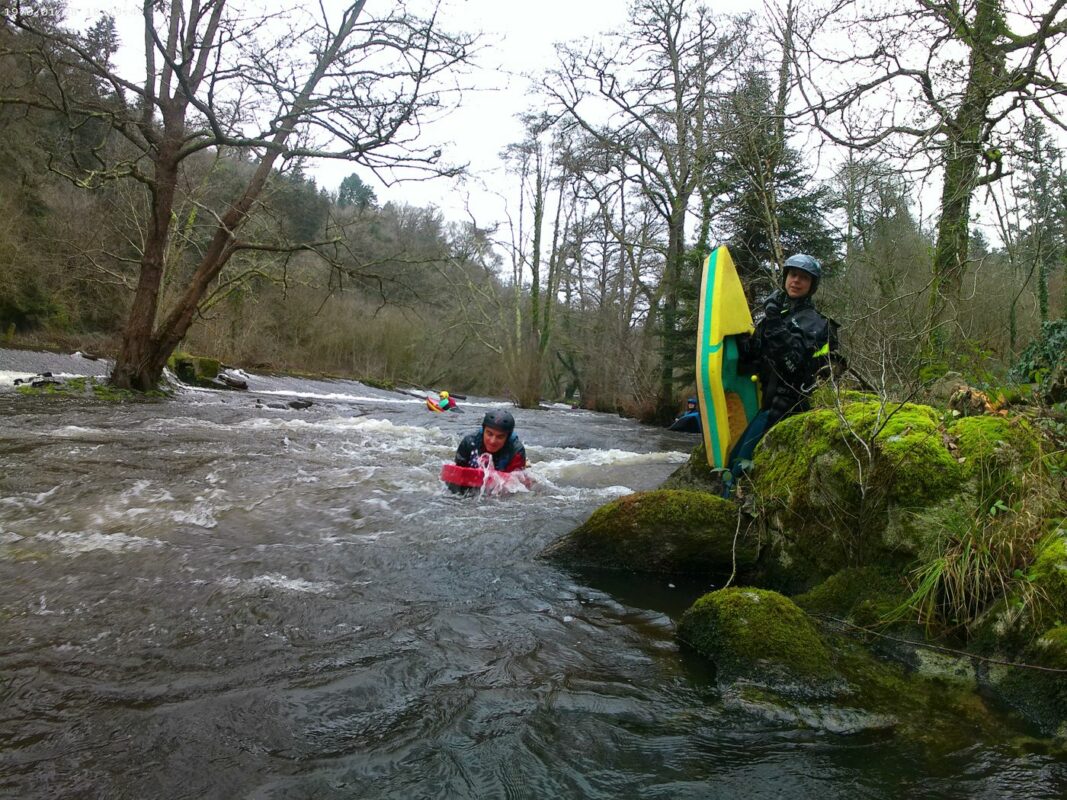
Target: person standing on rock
[(793, 346)]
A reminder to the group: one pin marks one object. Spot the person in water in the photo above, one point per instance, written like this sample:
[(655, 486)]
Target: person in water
[(793, 346), (497, 437), (446, 403), (688, 422)]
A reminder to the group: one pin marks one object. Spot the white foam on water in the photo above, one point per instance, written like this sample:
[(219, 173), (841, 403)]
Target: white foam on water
[(340, 396), (29, 500), (8, 377), (73, 431), (576, 460), (379, 434), (276, 581), (87, 541), (200, 516)]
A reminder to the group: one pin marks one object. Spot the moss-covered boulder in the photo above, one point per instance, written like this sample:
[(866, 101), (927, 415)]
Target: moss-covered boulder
[(830, 480), (1039, 690), (1049, 575), (194, 370), (860, 595), (759, 635), (662, 531), (695, 474), (994, 453)]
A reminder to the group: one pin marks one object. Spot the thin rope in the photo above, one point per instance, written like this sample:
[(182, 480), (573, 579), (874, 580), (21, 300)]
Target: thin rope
[(939, 648)]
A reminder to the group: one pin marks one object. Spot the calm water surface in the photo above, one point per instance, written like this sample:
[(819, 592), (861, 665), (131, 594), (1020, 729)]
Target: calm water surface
[(206, 597)]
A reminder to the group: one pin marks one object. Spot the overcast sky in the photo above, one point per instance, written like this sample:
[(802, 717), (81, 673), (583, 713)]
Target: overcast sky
[(517, 38)]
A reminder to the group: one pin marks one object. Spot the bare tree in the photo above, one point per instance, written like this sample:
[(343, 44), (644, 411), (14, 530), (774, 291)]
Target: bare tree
[(938, 82), (268, 86), (644, 96)]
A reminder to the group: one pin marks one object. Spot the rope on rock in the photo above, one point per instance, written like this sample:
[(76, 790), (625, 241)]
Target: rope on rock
[(937, 647)]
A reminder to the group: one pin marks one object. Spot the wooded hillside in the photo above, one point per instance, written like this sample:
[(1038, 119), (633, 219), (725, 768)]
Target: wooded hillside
[(176, 209)]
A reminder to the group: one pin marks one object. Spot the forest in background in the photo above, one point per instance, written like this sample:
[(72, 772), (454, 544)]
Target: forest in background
[(651, 145)]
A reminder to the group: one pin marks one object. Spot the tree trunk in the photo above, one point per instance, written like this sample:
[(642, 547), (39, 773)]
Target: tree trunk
[(134, 366), (672, 272)]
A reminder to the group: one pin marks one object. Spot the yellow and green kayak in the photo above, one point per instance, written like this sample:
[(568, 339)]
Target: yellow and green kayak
[(728, 401)]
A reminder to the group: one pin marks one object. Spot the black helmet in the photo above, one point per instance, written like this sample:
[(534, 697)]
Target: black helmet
[(692, 401), (499, 419), (804, 263)]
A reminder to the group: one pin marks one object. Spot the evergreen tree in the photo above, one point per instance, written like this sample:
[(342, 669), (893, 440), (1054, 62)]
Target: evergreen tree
[(1041, 234), (355, 193), (773, 208)]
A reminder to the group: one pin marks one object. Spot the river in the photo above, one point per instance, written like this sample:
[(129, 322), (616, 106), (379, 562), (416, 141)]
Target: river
[(210, 597)]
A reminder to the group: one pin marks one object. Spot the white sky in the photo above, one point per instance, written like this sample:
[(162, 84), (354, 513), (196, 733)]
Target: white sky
[(517, 39)]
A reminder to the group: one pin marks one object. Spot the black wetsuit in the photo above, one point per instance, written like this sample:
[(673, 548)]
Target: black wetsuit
[(792, 344), (510, 457), (689, 422)]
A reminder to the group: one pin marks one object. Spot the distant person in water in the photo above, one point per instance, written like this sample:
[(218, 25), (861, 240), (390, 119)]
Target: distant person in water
[(689, 421), (497, 438), (442, 402)]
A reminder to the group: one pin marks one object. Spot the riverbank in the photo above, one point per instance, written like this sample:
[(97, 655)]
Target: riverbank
[(942, 531)]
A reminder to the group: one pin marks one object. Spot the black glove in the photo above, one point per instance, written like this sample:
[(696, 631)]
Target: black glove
[(775, 302)]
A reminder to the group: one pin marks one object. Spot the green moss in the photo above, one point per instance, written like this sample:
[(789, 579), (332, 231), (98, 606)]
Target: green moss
[(208, 367), (827, 396), (832, 481), (996, 452), (194, 370), (666, 531), (89, 387), (898, 446), (1049, 574), (749, 631), (864, 595), (1053, 647)]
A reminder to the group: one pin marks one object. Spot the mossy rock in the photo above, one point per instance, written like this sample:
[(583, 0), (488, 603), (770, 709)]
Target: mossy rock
[(194, 370), (1049, 574), (995, 451), (862, 595), (662, 531), (756, 634), (87, 387), (1039, 694), (695, 474), (832, 478), (829, 396)]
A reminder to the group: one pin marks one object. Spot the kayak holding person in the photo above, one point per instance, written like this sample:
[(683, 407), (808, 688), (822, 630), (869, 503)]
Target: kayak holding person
[(792, 348)]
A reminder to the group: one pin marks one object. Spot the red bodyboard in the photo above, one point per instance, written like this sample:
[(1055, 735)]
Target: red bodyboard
[(462, 476)]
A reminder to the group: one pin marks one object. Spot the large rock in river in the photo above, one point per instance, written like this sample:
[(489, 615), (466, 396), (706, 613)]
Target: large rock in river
[(832, 482), (663, 531), (758, 634)]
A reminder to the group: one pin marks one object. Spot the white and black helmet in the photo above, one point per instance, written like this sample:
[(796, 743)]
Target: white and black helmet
[(804, 263), (499, 419)]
